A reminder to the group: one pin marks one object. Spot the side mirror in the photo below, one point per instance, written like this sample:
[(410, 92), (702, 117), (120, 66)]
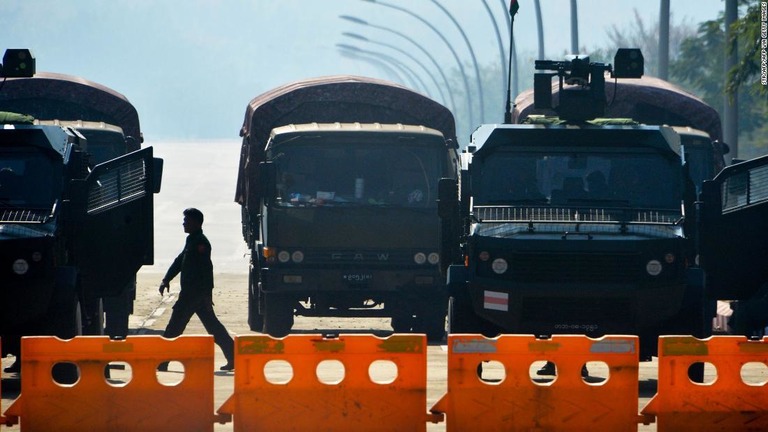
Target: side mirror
[(447, 197), (266, 185), (157, 174)]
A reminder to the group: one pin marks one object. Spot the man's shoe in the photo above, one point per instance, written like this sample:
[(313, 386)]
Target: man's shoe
[(228, 367), (163, 367), (547, 369), (14, 368)]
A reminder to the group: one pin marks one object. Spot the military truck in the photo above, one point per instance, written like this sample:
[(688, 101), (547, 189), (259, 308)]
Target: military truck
[(573, 224), (71, 233), (338, 186)]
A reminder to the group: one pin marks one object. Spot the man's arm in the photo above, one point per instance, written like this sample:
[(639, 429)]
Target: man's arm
[(173, 270)]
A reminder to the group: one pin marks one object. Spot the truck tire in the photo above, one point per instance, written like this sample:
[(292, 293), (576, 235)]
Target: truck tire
[(255, 317), (278, 315), (93, 318), (432, 321), (461, 318), (403, 321)]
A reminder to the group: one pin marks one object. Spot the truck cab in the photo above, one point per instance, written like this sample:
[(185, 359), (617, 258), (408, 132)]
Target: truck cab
[(69, 234)]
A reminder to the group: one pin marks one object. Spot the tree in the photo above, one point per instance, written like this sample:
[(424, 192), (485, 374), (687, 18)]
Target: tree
[(646, 37), (747, 72), (700, 67)]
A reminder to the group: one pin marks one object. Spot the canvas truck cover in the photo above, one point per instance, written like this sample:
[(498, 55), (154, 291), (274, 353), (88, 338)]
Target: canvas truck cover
[(343, 99), (648, 100), (49, 96)]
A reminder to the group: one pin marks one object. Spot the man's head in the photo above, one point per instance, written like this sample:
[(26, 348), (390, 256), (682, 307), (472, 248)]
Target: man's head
[(193, 220)]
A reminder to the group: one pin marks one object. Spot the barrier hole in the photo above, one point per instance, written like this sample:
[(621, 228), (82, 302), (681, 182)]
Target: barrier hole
[(382, 372), (65, 373), (595, 372), (754, 374), (542, 372), (702, 373), (170, 373), (278, 372), (118, 373), (491, 372), (330, 372)]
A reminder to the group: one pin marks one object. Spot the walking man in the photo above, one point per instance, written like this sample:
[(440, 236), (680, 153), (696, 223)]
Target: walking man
[(196, 296)]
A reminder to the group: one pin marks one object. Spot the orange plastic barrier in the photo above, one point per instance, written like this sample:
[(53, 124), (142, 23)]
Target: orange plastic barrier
[(94, 403), (519, 402), (725, 404), (2, 417), (355, 400)]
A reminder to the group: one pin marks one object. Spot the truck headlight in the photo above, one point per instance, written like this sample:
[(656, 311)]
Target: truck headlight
[(499, 265), (433, 258), (20, 266), (283, 256), (420, 258), (653, 267), (297, 257)]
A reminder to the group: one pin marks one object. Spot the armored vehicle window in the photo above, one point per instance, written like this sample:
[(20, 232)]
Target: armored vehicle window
[(340, 171), (28, 178), (700, 156), (104, 145), (567, 179)]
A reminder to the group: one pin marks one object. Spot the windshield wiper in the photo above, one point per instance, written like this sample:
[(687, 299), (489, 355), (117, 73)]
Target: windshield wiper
[(519, 201), (6, 203), (608, 202)]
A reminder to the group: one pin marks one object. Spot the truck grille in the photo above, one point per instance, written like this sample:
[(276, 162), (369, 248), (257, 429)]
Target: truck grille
[(569, 311), (23, 215), (572, 268), (363, 258)]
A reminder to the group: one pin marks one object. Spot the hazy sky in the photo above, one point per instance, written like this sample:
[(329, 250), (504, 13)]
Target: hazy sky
[(191, 66)]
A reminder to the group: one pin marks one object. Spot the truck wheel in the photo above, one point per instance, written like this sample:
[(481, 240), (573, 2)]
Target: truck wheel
[(402, 322), (93, 318), (278, 315), (461, 318), (255, 317), (432, 321)]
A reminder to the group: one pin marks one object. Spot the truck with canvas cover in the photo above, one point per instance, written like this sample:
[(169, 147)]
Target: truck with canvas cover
[(338, 187), (573, 224), (73, 230)]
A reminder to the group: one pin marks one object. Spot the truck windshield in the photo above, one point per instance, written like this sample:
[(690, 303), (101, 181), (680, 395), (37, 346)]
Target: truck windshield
[(348, 172), (577, 179), (28, 179)]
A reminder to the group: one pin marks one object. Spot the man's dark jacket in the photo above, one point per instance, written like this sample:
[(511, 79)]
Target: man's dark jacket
[(194, 264)]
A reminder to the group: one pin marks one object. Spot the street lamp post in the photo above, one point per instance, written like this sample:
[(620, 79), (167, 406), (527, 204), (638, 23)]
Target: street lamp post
[(450, 47), (351, 51), (478, 79), (405, 53), (500, 44), (415, 81), (417, 45)]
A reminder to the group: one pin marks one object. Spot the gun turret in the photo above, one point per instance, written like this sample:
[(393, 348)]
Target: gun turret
[(584, 97)]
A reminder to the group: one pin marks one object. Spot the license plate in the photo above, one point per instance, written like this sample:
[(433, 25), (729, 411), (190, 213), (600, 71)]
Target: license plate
[(357, 277)]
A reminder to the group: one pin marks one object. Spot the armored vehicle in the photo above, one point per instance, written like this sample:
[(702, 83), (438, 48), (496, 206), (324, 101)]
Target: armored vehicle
[(71, 232), (573, 224)]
